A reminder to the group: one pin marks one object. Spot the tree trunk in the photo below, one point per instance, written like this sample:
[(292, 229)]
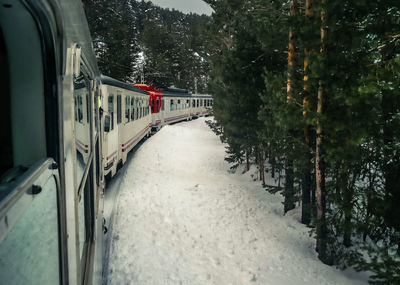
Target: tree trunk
[(347, 201), (288, 203), (306, 179), (319, 160), (289, 173), (262, 170), (305, 198), (320, 184)]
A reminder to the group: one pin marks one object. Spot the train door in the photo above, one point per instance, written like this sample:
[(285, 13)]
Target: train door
[(83, 204), (32, 225)]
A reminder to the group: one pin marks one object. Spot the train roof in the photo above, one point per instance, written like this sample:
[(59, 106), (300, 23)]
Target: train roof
[(201, 96), (173, 94), (116, 83), (175, 90)]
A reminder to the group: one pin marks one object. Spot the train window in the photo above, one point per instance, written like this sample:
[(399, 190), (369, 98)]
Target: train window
[(193, 103), (188, 103), (78, 107), (96, 106), (82, 130), (137, 108), (171, 108), (162, 104), (133, 108), (29, 239), (198, 103), (119, 109), (111, 110), (87, 108), (127, 109), (158, 105)]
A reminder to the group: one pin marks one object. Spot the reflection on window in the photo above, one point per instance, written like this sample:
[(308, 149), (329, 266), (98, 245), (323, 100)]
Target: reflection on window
[(29, 253), (82, 125), (82, 226)]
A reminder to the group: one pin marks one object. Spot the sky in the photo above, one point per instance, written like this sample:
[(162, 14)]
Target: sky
[(186, 6)]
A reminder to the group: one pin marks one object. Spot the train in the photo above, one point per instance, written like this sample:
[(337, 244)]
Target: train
[(133, 112), (65, 129)]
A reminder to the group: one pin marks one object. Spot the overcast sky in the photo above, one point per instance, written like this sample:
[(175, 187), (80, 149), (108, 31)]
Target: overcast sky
[(186, 6)]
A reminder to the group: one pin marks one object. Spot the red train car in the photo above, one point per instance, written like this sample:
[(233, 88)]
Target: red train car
[(156, 102)]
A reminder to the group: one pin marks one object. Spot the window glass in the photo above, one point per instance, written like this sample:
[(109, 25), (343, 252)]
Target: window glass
[(87, 107), (83, 139), (119, 109), (127, 109), (162, 104), (133, 108), (31, 247), (111, 110), (137, 108)]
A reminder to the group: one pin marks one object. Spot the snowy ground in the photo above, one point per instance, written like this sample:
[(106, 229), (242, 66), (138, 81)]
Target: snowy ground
[(181, 217)]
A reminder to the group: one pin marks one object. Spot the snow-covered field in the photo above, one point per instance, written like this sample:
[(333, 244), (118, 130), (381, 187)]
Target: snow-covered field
[(181, 217)]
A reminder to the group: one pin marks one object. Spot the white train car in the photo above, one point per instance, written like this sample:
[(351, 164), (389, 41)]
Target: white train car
[(201, 105), (127, 119), (51, 179), (177, 105)]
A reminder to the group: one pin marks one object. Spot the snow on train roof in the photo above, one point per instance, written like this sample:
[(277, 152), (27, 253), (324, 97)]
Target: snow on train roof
[(201, 96), (116, 83)]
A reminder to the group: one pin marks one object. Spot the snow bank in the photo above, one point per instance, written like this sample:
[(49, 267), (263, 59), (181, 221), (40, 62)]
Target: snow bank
[(183, 218)]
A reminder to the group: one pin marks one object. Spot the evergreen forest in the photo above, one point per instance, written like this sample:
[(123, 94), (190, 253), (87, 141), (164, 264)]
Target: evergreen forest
[(136, 41), (308, 90)]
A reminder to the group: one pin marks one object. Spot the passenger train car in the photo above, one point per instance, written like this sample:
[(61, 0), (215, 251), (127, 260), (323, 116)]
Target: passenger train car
[(64, 128), (132, 112), (51, 170), (127, 119)]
